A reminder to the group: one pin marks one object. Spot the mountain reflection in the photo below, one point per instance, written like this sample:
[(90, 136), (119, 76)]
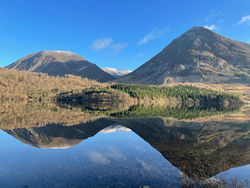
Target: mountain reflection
[(200, 149)]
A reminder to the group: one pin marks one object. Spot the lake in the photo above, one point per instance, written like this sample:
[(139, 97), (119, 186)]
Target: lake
[(59, 147)]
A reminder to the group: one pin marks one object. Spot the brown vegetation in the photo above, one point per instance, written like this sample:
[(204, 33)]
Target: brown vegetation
[(26, 99), (23, 115), (26, 86)]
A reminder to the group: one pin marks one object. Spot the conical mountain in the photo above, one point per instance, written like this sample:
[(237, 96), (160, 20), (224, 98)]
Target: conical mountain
[(199, 55), (59, 63)]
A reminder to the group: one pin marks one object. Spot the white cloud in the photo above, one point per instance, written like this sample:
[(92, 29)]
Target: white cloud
[(98, 158), (105, 158), (214, 14), (145, 165), (152, 35), (115, 155), (147, 38), (141, 54), (118, 47), (244, 19), (107, 43), (211, 27), (102, 43)]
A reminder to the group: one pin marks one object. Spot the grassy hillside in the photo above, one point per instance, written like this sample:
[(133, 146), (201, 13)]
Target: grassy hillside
[(21, 85), (26, 99), (60, 63), (197, 56), (26, 86)]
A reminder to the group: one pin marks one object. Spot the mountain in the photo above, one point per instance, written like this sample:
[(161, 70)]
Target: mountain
[(58, 136), (59, 63), (118, 73), (199, 55)]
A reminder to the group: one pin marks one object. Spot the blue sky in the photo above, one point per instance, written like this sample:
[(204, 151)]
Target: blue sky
[(112, 33)]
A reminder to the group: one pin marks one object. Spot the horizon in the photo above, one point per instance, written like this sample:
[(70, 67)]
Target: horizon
[(112, 37)]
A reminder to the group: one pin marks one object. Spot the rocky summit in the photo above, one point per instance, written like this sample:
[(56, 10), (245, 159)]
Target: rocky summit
[(60, 63), (200, 56)]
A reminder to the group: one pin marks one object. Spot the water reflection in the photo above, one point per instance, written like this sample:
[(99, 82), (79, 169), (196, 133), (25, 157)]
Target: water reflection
[(200, 148), (117, 159)]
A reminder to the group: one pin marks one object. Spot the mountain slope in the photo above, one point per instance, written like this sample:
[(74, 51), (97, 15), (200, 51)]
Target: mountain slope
[(118, 73), (199, 55), (59, 63)]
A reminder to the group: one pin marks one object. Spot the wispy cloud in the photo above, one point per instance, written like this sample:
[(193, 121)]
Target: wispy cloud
[(118, 47), (152, 35), (244, 19), (105, 158), (145, 165), (140, 54), (147, 38), (214, 14), (98, 157), (211, 27), (215, 17), (108, 43), (101, 43)]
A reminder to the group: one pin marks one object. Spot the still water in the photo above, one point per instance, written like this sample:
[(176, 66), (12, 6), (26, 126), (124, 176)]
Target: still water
[(124, 152)]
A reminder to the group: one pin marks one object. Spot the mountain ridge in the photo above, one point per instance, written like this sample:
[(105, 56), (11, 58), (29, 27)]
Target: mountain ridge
[(60, 63), (198, 55)]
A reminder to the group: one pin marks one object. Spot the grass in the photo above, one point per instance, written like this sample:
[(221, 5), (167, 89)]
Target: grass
[(25, 86), (22, 85)]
